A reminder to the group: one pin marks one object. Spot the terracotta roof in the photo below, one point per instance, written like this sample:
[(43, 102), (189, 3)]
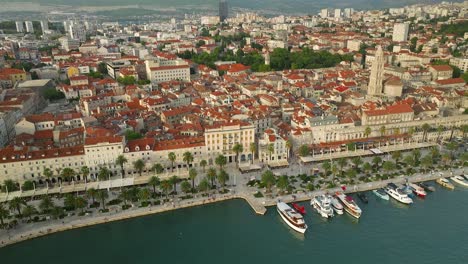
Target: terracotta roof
[(108, 139)]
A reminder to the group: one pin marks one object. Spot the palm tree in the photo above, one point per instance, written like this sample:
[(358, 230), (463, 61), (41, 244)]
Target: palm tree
[(143, 195), (452, 146), (440, 129), (367, 167), (221, 161), (121, 160), (376, 161), (388, 166), (69, 201), (396, 155), (28, 211), (187, 158), (103, 174), (382, 131), (426, 162), (288, 147), (271, 150), (222, 177), (425, 127), (92, 193), (172, 157), (268, 179), (46, 204), (154, 181), (351, 173), (56, 212), (211, 174), (326, 166), (68, 173), (166, 187), (139, 165), (204, 185), (4, 213), (356, 161), (416, 155), (157, 168), (253, 150), (237, 148), (334, 170), (16, 204), (367, 131), (47, 173), (409, 161), (81, 203), (342, 162), (464, 129), (193, 175), (102, 195), (283, 183), (174, 180), (125, 195), (203, 164), (84, 172), (185, 187)]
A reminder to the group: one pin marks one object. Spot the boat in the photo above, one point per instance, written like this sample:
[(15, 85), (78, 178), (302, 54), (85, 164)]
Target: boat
[(418, 190), (445, 183), (322, 204), (350, 205), (381, 194), (336, 205), (363, 197), (406, 190), (460, 180), (298, 208), (292, 218), (398, 194), (427, 187)]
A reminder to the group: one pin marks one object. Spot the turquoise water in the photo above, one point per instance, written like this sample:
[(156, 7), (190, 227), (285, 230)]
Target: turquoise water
[(433, 230)]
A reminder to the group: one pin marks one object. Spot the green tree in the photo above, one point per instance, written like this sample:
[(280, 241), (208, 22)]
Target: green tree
[(416, 155), (304, 151), (222, 177), (46, 204), (270, 149), (143, 195), (102, 195), (154, 181), (185, 187), (203, 164), (268, 179), (47, 173), (81, 203), (356, 161), (367, 131), (283, 183), (351, 173), (91, 193), (174, 180), (409, 161), (211, 175), (376, 161), (27, 186), (342, 162), (426, 162), (121, 160), (166, 187), (16, 204), (4, 213), (172, 157), (125, 195), (367, 167), (326, 166), (253, 150), (157, 168), (68, 173), (103, 174), (56, 212), (388, 166), (193, 175), (187, 158), (204, 185), (440, 129), (288, 147), (237, 148), (69, 201), (29, 211), (84, 172), (382, 130), (396, 155), (425, 127), (139, 166), (221, 161), (127, 80), (10, 186)]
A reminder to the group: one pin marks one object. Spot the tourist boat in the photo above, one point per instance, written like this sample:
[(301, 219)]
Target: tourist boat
[(381, 194), (363, 197), (322, 204), (300, 209), (418, 190), (460, 180), (336, 205), (292, 218), (350, 205), (445, 183), (398, 194), (427, 187)]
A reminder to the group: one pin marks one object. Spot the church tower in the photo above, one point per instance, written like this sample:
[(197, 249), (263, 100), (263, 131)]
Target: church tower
[(375, 87)]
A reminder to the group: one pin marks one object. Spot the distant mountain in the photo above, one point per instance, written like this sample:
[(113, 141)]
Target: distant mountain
[(286, 6)]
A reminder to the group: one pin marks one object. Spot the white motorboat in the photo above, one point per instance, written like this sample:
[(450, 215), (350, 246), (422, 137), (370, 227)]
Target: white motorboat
[(381, 194), (418, 190), (336, 205), (322, 204), (460, 180), (446, 183), (398, 194), (350, 205), (292, 218)]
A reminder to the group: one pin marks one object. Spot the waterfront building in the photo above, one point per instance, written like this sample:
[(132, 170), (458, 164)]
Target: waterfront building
[(272, 148)]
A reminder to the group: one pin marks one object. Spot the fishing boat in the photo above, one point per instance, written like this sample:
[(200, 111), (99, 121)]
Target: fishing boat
[(292, 218), (322, 204), (445, 183), (460, 180), (398, 194), (336, 205), (427, 187), (363, 197), (418, 190), (381, 194), (350, 205), (298, 208)]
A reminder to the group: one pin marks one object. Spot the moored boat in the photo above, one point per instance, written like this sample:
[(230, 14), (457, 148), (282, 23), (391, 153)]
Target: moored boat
[(398, 194), (381, 194), (322, 204), (445, 183), (460, 180), (299, 209), (427, 187), (336, 205), (418, 190), (350, 205), (363, 197), (292, 218)]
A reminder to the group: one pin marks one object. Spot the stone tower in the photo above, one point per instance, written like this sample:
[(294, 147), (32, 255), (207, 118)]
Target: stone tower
[(375, 86)]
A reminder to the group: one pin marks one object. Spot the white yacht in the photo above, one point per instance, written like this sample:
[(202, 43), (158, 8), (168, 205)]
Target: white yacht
[(292, 218), (336, 205), (350, 205), (398, 194), (322, 204), (460, 180)]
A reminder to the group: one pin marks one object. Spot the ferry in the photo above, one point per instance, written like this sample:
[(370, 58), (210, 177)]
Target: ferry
[(398, 194), (381, 194), (322, 204), (445, 183), (336, 205), (460, 180), (427, 187), (418, 190), (292, 218), (350, 205)]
